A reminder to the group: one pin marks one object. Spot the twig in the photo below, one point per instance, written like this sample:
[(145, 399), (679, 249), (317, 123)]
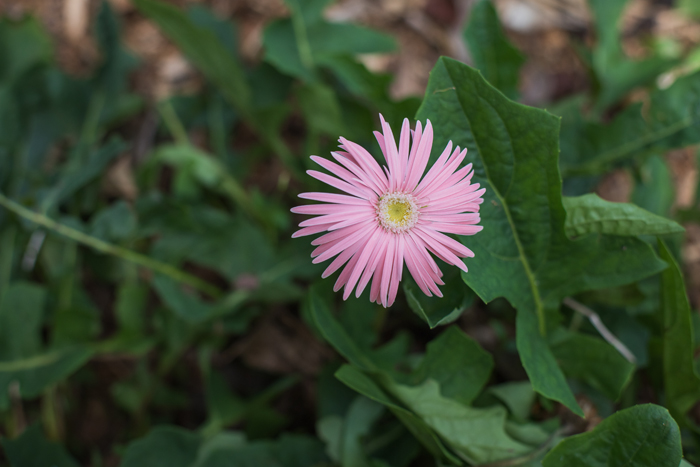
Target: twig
[(598, 324), (114, 250)]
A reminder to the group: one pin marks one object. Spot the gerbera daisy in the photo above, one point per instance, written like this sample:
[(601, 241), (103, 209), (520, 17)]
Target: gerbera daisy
[(391, 215)]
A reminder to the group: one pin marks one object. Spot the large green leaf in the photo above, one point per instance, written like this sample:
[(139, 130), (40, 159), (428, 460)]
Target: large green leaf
[(591, 214), (641, 436), (493, 54), (681, 382), (524, 253), (32, 449), (452, 373)]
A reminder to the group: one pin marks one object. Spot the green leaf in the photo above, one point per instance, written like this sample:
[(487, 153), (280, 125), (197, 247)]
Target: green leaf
[(493, 54), (203, 48), (524, 253), (642, 436), (166, 446), (616, 74), (593, 361), (363, 384), (334, 333), (32, 449), (590, 214), (459, 368), (478, 434), (21, 317), (176, 447), (457, 363), (438, 311), (34, 374), (681, 382), (296, 45), (23, 45), (114, 223), (362, 414), (655, 190), (518, 397), (320, 108), (669, 119)]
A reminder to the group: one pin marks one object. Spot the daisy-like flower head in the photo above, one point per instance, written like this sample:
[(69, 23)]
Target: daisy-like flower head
[(388, 216)]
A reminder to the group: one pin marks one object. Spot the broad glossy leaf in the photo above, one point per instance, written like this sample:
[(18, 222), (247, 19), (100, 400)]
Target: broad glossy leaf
[(493, 54), (32, 449), (524, 254), (642, 436), (203, 48), (590, 214), (594, 362), (681, 382)]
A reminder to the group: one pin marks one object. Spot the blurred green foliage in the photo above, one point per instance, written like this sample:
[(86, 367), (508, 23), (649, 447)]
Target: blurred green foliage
[(153, 308)]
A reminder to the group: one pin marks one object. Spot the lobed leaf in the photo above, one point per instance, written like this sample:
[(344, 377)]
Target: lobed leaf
[(524, 254)]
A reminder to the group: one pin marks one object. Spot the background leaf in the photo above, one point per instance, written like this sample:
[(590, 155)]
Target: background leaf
[(493, 54), (590, 214), (644, 435)]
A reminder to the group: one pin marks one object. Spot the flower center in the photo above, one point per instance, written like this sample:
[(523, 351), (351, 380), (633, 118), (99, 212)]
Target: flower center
[(397, 212)]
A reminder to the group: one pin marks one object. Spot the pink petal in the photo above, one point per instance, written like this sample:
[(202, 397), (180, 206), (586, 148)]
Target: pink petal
[(420, 161)]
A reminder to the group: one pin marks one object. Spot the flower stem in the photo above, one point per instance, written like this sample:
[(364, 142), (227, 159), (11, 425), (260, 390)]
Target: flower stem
[(110, 249)]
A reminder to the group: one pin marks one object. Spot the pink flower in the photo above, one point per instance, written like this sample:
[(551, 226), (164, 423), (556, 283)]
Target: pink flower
[(388, 216)]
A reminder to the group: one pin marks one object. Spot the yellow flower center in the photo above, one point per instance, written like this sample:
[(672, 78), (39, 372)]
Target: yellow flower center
[(397, 212)]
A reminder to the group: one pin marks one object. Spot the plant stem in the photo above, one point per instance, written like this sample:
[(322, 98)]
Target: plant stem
[(602, 329), (175, 127), (114, 250)]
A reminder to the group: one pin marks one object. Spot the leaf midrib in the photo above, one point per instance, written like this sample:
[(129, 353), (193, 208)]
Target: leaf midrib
[(621, 151), (539, 309)]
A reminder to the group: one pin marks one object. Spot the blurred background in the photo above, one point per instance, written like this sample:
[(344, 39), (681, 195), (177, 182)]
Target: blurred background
[(150, 153)]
